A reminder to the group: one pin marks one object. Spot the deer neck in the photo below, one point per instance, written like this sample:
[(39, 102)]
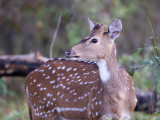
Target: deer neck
[(108, 66)]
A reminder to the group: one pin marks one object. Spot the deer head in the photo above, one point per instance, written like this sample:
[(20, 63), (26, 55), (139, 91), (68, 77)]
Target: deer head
[(99, 43)]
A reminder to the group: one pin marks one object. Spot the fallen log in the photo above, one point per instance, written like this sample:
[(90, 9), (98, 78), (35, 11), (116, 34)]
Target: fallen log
[(146, 101), (21, 65)]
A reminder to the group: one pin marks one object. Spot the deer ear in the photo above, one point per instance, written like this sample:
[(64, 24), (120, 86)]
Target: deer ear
[(91, 24), (115, 29)]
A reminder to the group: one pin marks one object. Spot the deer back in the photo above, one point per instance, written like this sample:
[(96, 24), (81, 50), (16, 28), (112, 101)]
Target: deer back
[(71, 88)]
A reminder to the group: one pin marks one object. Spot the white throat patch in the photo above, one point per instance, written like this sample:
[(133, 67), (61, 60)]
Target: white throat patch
[(103, 70)]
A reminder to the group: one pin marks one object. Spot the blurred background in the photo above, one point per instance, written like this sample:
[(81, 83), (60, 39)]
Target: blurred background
[(28, 26)]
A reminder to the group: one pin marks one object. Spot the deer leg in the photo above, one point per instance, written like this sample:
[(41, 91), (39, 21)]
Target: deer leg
[(30, 114)]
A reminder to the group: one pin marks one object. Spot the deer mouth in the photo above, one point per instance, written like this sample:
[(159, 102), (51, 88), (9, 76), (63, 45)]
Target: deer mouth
[(68, 54), (73, 56)]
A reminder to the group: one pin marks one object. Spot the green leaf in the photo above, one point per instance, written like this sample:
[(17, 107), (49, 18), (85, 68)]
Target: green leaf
[(156, 47), (137, 52)]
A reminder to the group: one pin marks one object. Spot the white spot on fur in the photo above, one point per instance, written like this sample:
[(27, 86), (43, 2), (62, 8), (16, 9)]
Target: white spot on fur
[(58, 67), (103, 70), (38, 85), (63, 67), (76, 74), (68, 69), (50, 68), (74, 69), (58, 93), (44, 99), (47, 77), (49, 95), (53, 71), (54, 99), (62, 74), (42, 88), (69, 109), (34, 80), (52, 82), (70, 75)]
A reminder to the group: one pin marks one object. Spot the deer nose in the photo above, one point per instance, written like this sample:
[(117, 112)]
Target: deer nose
[(68, 53)]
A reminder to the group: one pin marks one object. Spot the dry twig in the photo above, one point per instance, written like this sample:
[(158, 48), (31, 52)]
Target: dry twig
[(55, 35)]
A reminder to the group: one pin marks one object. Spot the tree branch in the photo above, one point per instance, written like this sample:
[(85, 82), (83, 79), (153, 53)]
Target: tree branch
[(55, 35)]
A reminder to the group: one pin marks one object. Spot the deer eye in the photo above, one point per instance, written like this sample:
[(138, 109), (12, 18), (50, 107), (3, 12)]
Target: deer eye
[(94, 40)]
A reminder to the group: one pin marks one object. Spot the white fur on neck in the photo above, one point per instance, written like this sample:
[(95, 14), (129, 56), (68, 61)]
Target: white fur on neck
[(103, 70)]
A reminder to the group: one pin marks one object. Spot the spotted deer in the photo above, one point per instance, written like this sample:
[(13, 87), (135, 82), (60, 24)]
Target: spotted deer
[(75, 89)]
